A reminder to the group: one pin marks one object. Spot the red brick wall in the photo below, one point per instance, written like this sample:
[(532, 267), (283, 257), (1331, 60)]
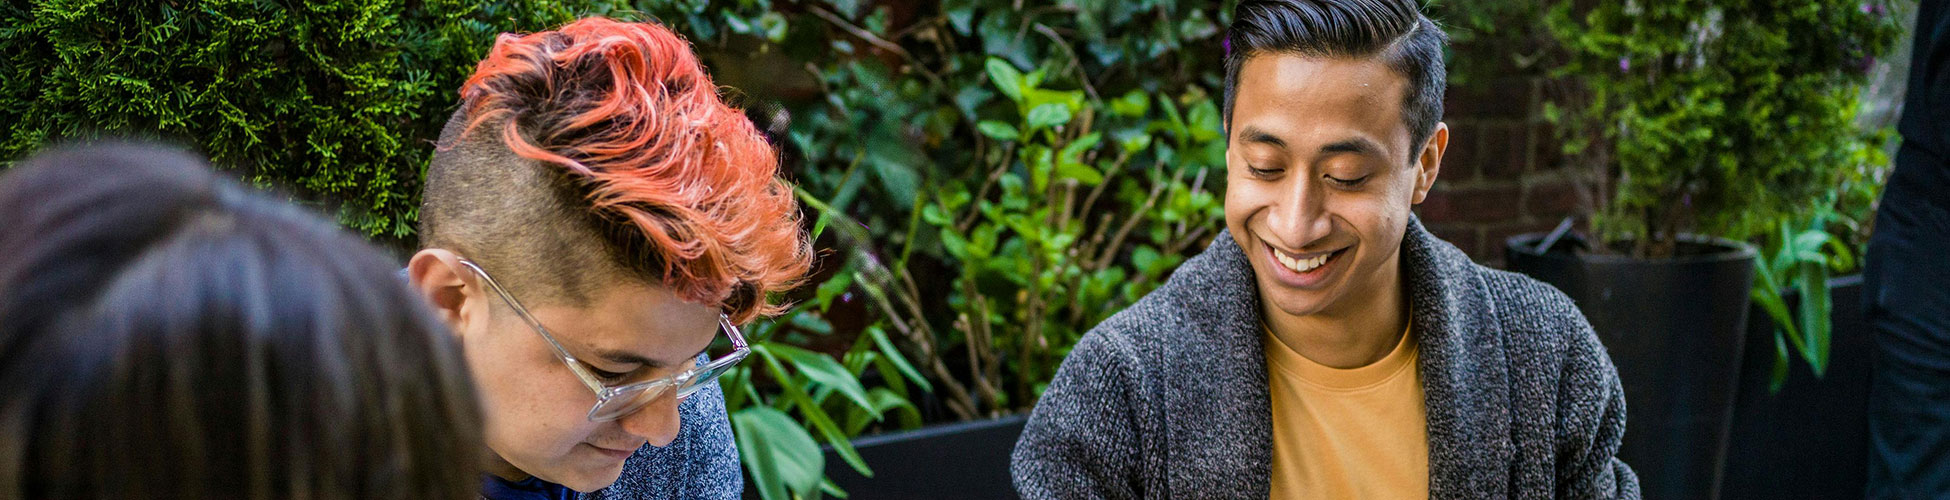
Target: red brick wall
[(1503, 174)]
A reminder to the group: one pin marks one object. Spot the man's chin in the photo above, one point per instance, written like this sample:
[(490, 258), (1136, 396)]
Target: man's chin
[(1292, 302)]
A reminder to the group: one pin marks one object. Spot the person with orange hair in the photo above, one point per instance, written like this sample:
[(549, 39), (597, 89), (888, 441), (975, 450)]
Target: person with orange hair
[(596, 223)]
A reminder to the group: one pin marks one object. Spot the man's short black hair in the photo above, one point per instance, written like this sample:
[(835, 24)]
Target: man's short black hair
[(1394, 30)]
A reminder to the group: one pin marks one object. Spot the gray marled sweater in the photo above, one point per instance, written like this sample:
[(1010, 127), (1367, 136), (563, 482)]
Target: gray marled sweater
[(1168, 399)]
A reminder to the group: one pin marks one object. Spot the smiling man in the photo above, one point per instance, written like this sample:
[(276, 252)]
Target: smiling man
[(1326, 345), (596, 222)]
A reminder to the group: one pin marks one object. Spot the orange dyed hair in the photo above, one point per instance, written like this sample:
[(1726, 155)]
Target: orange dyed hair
[(681, 186)]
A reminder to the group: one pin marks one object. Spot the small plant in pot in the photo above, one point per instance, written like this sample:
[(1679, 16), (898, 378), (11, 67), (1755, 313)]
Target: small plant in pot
[(1713, 120)]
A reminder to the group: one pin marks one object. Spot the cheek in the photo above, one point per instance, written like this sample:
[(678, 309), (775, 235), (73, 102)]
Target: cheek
[(530, 401), (1244, 198)]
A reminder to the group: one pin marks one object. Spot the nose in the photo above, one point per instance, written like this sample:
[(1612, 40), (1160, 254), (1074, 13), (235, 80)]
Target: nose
[(656, 422), (1299, 214)]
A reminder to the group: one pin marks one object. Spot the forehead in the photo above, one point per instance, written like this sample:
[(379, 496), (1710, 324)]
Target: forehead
[(644, 320), (1315, 99)]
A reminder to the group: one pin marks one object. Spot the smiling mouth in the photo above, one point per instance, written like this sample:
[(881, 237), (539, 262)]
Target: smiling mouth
[(1302, 263)]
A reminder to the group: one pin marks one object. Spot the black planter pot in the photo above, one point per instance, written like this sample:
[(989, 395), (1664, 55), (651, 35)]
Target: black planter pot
[(1674, 328), (951, 461), (1811, 440)]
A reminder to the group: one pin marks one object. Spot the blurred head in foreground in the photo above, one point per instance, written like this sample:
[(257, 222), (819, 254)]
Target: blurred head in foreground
[(166, 333)]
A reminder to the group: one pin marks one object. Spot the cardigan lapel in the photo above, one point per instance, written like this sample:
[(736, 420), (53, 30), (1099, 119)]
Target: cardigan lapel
[(1464, 370), (1217, 411)]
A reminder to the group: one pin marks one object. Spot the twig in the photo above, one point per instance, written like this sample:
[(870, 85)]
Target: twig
[(1110, 250), (1075, 62)]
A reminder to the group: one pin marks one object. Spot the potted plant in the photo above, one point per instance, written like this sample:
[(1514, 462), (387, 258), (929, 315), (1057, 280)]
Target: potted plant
[(1713, 119)]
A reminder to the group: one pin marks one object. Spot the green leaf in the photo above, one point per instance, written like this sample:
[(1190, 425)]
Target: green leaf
[(1048, 115), (824, 370), (1779, 376), (809, 409), (894, 356), (1815, 309), (1006, 78), (1133, 104), (956, 246), (1082, 173), (1075, 149), (998, 130), (833, 287), (1203, 120), (779, 453)]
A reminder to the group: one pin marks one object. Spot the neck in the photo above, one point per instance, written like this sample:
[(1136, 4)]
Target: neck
[(1356, 331), (500, 467)]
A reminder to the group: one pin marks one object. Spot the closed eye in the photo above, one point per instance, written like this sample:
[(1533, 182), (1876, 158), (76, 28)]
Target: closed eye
[(605, 374), (1349, 183), (1263, 172)]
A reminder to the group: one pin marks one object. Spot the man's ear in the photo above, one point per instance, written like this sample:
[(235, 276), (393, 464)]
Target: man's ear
[(438, 276), (1429, 162)]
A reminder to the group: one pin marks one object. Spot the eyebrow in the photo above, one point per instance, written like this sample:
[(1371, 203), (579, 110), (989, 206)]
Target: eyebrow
[(626, 357), (1257, 136), (1357, 145)]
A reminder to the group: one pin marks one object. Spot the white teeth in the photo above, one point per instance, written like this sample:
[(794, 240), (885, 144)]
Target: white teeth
[(1300, 265)]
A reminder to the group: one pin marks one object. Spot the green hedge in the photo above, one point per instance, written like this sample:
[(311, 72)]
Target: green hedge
[(333, 101)]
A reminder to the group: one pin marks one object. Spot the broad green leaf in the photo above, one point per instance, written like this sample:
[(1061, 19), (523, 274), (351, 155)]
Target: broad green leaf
[(1082, 173), (998, 130), (814, 414), (833, 287), (779, 453), (1133, 104), (894, 356), (824, 370), (1075, 149), (1813, 285), (1048, 115), (1006, 78)]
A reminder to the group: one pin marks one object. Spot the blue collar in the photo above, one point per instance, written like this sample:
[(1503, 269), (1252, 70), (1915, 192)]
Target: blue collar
[(534, 488)]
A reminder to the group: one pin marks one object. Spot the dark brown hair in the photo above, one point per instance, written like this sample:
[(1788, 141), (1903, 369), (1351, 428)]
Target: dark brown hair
[(1393, 30), (166, 333)]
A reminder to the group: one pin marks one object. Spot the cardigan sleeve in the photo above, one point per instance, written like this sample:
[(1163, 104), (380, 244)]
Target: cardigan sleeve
[(1082, 440), (1591, 419)]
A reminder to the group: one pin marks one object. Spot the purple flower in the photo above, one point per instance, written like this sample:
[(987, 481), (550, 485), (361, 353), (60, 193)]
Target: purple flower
[(846, 297), (1624, 64)]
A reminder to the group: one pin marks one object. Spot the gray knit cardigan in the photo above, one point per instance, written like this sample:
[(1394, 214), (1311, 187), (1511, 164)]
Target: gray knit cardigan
[(1168, 399), (701, 463)]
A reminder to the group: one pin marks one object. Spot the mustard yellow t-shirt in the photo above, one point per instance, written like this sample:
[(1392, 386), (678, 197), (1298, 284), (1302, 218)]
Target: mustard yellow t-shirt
[(1347, 433)]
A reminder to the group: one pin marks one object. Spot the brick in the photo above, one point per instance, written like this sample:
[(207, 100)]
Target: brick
[(1509, 98), (1505, 152), (1458, 161), (1547, 150), (1480, 204), (1468, 237), (1556, 198)]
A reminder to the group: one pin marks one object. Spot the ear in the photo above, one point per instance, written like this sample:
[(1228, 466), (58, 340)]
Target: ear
[(1429, 163), (449, 287)]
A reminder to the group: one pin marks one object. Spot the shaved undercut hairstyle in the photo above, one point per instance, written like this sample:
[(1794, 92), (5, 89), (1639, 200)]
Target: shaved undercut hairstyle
[(601, 152)]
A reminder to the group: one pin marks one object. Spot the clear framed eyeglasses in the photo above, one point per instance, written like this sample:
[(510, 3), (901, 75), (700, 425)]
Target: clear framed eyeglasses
[(613, 402)]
